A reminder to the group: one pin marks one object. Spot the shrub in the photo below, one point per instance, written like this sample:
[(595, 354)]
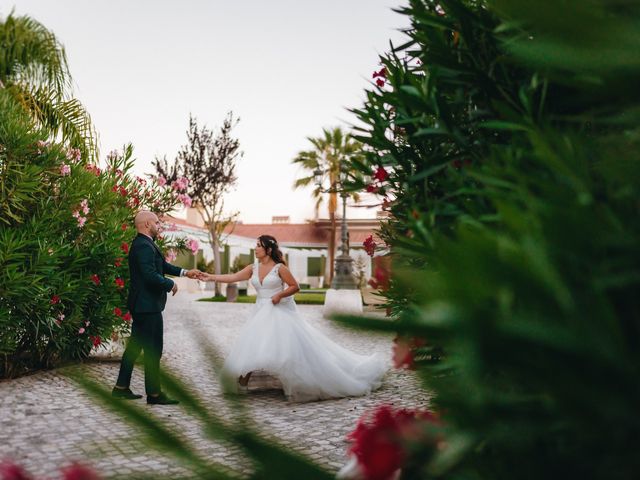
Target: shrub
[(64, 234), (503, 140)]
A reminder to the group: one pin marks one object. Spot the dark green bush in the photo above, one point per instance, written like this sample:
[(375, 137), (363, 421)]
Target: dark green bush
[(509, 134)]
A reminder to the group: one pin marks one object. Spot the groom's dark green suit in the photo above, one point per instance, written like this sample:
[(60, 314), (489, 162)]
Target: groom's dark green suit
[(148, 289)]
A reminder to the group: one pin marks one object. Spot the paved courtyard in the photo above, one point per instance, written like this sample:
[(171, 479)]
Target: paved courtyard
[(47, 422)]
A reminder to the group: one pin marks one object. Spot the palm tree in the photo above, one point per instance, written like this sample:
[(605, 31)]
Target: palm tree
[(328, 154), (34, 72)]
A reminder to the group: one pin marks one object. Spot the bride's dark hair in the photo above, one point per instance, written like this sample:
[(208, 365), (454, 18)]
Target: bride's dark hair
[(270, 245)]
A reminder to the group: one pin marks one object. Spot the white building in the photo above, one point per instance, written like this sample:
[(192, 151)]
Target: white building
[(305, 245)]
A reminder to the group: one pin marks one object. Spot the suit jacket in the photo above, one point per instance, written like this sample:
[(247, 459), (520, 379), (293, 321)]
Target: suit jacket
[(147, 285)]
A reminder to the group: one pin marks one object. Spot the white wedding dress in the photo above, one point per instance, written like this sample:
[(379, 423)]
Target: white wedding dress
[(277, 339)]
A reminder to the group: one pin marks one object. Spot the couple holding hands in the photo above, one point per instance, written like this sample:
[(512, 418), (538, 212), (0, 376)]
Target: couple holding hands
[(275, 338)]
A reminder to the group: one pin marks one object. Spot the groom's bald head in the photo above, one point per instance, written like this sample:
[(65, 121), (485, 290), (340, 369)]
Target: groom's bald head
[(147, 223)]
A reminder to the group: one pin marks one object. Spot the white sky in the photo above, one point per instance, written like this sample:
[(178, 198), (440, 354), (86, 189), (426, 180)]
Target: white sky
[(287, 68)]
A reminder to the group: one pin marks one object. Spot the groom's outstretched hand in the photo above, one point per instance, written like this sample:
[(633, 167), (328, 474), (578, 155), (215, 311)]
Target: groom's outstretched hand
[(193, 273)]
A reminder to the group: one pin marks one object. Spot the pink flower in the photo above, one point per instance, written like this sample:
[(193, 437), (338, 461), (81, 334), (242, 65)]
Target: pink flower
[(74, 154), (185, 199), (180, 184), (94, 169), (65, 170), (161, 181), (171, 256), (81, 330), (84, 205), (76, 214), (60, 317), (193, 245), (82, 221)]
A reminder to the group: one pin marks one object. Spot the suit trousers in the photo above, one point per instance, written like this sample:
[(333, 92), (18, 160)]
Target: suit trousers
[(146, 335)]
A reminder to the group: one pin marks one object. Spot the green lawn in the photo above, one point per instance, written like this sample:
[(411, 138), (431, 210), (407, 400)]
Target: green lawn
[(301, 298)]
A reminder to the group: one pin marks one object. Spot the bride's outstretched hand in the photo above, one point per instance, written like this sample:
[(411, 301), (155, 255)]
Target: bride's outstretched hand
[(205, 277)]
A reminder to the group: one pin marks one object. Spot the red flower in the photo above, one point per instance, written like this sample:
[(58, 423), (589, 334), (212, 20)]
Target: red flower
[(123, 226), (123, 191), (382, 73), (124, 247), (126, 317), (372, 188), (114, 188), (369, 245), (95, 279), (380, 82), (381, 174), (117, 262), (120, 283), (379, 437), (55, 300), (96, 340), (457, 164), (403, 351), (79, 472), (117, 312), (11, 471)]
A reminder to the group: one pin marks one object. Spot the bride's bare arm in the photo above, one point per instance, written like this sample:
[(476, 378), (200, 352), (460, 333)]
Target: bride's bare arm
[(292, 285), (244, 274)]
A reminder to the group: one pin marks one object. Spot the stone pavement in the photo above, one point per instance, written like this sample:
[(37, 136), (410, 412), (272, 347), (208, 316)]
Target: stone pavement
[(47, 422)]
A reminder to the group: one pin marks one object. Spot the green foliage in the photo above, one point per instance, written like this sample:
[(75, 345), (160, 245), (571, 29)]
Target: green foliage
[(47, 258), (300, 298), (266, 457), (509, 133), (35, 74)]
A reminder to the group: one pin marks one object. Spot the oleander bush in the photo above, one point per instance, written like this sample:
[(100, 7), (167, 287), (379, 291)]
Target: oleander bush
[(65, 227), (503, 140)]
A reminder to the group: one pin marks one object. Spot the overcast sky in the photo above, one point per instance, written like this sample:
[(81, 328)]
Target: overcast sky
[(286, 68)]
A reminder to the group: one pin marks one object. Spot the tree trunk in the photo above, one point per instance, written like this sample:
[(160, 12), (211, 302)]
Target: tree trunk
[(332, 246), (217, 261)]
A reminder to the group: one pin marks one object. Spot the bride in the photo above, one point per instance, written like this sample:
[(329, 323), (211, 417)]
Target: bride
[(276, 338)]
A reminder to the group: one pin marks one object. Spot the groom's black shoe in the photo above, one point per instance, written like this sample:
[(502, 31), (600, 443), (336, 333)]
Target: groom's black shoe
[(125, 393), (161, 399)]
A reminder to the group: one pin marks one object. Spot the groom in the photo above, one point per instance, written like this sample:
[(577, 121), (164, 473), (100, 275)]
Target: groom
[(147, 297)]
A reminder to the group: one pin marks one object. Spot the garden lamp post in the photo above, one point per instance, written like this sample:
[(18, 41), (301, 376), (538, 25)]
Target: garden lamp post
[(343, 278)]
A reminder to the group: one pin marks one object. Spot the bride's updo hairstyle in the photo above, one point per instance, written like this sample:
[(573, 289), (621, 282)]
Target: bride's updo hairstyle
[(270, 245)]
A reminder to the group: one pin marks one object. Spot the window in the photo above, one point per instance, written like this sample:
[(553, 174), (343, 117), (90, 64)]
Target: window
[(315, 266)]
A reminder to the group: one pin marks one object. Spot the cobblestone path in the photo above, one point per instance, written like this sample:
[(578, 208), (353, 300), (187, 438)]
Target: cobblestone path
[(47, 422)]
